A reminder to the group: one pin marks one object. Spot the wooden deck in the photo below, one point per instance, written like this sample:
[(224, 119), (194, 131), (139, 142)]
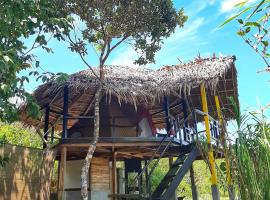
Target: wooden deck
[(119, 141), (124, 147)]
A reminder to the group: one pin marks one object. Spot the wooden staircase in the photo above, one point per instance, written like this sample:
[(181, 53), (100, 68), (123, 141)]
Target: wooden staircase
[(165, 190)]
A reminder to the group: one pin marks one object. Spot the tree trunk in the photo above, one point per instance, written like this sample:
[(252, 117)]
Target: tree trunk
[(91, 149)]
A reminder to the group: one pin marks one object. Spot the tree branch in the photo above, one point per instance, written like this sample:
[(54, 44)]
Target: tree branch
[(33, 46), (85, 62), (268, 66), (110, 49), (119, 42)]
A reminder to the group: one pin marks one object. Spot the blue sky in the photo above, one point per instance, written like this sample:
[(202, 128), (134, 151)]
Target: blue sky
[(200, 35)]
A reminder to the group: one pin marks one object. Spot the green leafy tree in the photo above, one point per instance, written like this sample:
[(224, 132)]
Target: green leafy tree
[(17, 134), (109, 23), (254, 27), (37, 20)]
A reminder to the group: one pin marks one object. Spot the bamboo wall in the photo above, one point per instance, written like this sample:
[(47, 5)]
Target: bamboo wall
[(27, 175)]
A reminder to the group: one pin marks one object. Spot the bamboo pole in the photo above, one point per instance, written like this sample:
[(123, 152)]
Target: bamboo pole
[(215, 192), (228, 173)]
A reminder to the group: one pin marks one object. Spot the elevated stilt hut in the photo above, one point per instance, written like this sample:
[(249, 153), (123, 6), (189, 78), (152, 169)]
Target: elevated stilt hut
[(145, 115)]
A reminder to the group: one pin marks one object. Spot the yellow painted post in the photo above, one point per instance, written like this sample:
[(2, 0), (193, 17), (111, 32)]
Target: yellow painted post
[(215, 193), (228, 173)]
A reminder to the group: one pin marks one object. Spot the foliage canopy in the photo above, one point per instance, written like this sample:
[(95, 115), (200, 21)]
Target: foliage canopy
[(143, 24), (37, 20)]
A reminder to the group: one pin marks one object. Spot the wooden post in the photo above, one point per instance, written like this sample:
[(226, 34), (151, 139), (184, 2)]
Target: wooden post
[(167, 113), (52, 135), (214, 188), (174, 197), (223, 140), (195, 125), (46, 126), (114, 173), (146, 178), (65, 111), (185, 112), (62, 172), (193, 184)]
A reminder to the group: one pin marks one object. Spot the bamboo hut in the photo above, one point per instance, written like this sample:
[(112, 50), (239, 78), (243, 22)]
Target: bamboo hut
[(144, 115)]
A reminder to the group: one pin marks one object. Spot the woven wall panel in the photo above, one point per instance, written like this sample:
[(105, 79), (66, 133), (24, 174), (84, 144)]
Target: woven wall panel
[(27, 174)]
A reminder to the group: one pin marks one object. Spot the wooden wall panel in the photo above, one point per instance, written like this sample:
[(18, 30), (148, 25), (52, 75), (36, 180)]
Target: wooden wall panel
[(100, 174)]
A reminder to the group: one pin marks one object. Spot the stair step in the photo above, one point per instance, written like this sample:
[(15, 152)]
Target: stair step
[(164, 184), (174, 176), (179, 161)]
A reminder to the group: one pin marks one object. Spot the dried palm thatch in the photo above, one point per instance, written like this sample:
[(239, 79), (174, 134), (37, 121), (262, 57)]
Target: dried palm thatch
[(145, 87)]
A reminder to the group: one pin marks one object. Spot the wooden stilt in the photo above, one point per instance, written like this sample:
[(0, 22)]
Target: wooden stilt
[(146, 178), (193, 184), (114, 174), (215, 192), (167, 113), (185, 112), (62, 172)]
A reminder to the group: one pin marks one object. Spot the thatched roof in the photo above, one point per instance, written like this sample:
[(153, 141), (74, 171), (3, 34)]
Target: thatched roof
[(141, 86)]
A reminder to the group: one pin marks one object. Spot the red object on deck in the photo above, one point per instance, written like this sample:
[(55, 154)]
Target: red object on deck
[(144, 113)]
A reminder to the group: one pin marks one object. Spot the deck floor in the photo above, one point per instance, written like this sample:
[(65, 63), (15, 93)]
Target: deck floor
[(126, 147)]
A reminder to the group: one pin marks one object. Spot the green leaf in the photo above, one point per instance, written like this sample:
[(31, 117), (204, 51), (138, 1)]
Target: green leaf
[(235, 16), (265, 43), (223, 166), (241, 33), (241, 4), (247, 30), (255, 10), (240, 21), (256, 24)]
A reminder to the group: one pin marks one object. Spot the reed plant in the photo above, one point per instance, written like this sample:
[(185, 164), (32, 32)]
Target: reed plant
[(251, 154)]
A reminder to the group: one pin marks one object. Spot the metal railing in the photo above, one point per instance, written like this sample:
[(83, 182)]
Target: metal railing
[(187, 132)]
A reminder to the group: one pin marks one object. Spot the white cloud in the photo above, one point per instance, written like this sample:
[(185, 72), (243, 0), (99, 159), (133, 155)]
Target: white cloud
[(229, 5), (195, 7), (189, 31), (125, 57)]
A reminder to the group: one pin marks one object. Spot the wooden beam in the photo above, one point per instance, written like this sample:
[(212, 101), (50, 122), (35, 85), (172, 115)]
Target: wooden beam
[(62, 173)]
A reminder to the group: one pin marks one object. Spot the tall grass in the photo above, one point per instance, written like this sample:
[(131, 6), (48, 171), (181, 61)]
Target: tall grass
[(251, 154)]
